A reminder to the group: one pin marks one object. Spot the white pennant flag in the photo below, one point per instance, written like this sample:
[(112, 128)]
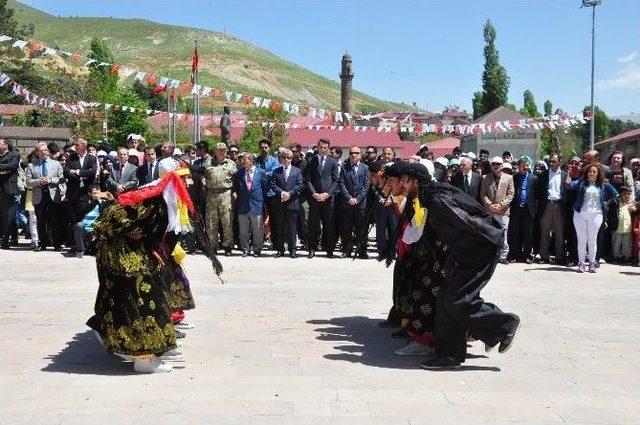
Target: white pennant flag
[(347, 117), (17, 89), (49, 51), (312, 112), (4, 79), (256, 101), (20, 44), (127, 71), (100, 64), (322, 113), (287, 125), (4, 38), (228, 95), (62, 52), (140, 76), (206, 91), (295, 109), (107, 106), (266, 103), (196, 89), (174, 84), (380, 129), (552, 125), (338, 117), (238, 97), (89, 62), (286, 106), (163, 82)]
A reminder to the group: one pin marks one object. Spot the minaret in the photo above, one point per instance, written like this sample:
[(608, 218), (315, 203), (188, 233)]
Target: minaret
[(346, 90)]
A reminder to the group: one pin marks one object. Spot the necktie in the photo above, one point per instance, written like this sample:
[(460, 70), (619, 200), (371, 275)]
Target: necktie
[(321, 163), (151, 172), (44, 168), (286, 174), (250, 180), (466, 181)]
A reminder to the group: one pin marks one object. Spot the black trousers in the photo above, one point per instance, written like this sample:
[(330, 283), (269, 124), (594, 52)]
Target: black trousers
[(6, 216), (287, 220), (520, 233), (571, 237), (386, 219), (461, 310), (352, 222), (322, 212), (271, 205), (49, 215)]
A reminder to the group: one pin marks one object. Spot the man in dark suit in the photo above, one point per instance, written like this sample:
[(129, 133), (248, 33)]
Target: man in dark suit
[(287, 185), (9, 163), (123, 176), (523, 212), (551, 195), (83, 168), (355, 180), (149, 170), (467, 180), (249, 192), (321, 176)]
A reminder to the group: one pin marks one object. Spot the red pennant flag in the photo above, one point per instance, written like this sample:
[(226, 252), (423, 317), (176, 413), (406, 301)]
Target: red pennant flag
[(116, 68), (194, 65), (159, 89)]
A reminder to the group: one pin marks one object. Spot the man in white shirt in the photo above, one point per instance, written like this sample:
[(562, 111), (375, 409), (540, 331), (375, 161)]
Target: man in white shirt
[(551, 197)]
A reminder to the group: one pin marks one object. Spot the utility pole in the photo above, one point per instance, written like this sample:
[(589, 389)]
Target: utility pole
[(592, 125)]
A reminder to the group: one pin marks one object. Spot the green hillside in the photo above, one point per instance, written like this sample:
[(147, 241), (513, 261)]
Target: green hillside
[(226, 61)]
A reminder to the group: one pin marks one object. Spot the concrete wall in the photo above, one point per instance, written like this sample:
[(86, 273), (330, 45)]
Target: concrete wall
[(26, 138), (515, 142)]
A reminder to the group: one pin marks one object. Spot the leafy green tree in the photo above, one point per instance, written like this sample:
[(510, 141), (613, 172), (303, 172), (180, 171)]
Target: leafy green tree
[(495, 81), (602, 127), (559, 140), (548, 108), (9, 25), (477, 105), (102, 83), (617, 126), (157, 101), (530, 109), (253, 133)]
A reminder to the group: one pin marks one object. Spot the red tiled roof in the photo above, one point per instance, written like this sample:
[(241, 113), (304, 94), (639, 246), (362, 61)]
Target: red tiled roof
[(349, 137), (443, 147), (620, 137)]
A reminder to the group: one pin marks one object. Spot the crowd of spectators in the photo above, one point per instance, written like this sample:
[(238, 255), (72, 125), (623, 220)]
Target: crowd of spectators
[(568, 211)]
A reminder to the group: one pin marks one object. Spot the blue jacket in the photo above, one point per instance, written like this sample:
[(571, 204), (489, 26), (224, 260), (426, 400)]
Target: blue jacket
[(293, 185), (250, 201), (607, 192), (267, 165)]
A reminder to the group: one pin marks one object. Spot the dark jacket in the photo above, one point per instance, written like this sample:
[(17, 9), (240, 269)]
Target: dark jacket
[(325, 181), (531, 189), (542, 190), (293, 185), (474, 185), (250, 201), (9, 164), (87, 172), (607, 193), (143, 173), (354, 185)]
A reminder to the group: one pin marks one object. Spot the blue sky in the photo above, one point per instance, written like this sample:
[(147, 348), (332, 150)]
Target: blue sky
[(426, 52)]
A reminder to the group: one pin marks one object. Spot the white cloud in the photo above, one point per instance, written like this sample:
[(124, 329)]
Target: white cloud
[(626, 78), (628, 58)]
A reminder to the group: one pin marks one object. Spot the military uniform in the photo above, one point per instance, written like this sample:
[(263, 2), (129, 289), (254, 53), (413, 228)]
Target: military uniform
[(218, 179)]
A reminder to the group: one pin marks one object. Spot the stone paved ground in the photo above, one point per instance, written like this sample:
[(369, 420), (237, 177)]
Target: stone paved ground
[(284, 345)]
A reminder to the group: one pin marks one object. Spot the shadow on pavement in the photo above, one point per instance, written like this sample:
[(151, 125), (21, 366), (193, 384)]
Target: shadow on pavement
[(84, 355), (631, 273), (367, 343), (552, 269)]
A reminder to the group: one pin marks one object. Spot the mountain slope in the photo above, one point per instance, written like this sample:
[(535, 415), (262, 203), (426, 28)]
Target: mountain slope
[(226, 61)]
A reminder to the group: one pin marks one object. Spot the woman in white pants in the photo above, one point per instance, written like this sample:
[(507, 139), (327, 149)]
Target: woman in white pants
[(589, 210)]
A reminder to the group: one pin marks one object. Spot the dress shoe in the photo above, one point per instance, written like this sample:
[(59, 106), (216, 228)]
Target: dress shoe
[(36, 248), (57, 248), (344, 255), (507, 341), (278, 254), (4, 246), (244, 254), (256, 255), (311, 254), (293, 255), (415, 349), (504, 261), (543, 260), (79, 254), (330, 254), (528, 261), (440, 363), (401, 333), (593, 267), (363, 256), (227, 252)]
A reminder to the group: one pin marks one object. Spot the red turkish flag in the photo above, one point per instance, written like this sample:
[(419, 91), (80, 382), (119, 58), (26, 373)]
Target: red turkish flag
[(194, 65)]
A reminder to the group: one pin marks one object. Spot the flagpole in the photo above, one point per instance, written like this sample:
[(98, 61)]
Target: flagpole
[(105, 125), (169, 115), (196, 101)]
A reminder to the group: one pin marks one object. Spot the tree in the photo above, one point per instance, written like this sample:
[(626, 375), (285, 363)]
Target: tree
[(253, 133), (602, 127), (495, 81), (102, 83), (562, 141), (122, 123), (530, 109), (617, 126), (9, 25), (477, 105), (157, 101), (548, 108)]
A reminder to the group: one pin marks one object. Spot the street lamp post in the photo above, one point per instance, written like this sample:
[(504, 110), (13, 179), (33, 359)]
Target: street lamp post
[(592, 125)]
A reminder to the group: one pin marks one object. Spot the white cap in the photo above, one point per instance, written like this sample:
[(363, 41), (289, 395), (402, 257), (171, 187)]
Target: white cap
[(132, 152), (472, 155), (507, 166), (134, 136), (101, 153), (429, 164), (442, 161), (113, 154), (177, 151), (454, 161), (634, 160), (497, 160)]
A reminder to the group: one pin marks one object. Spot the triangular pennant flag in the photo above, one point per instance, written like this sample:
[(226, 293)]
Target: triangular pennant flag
[(4, 79), (89, 62), (338, 117), (256, 101), (140, 76), (196, 89), (347, 117), (295, 109), (286, 106), (127, 71), (266, 103), (228, 95), (148, 111), (49, 51), (322, 113), (163, 82), (206, 91), (5, 38), (102, 63), (20, 44), (107, 106), (238, 97)]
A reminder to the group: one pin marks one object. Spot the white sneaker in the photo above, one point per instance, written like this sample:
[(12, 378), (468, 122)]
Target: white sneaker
[(184, 325), (172, 353), (152, 365), (415, 349)]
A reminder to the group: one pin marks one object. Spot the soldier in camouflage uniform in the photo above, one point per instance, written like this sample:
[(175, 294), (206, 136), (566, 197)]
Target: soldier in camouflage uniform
[(218, 177)]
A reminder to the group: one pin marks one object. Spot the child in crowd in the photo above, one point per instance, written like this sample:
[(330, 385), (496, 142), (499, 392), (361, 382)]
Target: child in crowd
[(622, 237)]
